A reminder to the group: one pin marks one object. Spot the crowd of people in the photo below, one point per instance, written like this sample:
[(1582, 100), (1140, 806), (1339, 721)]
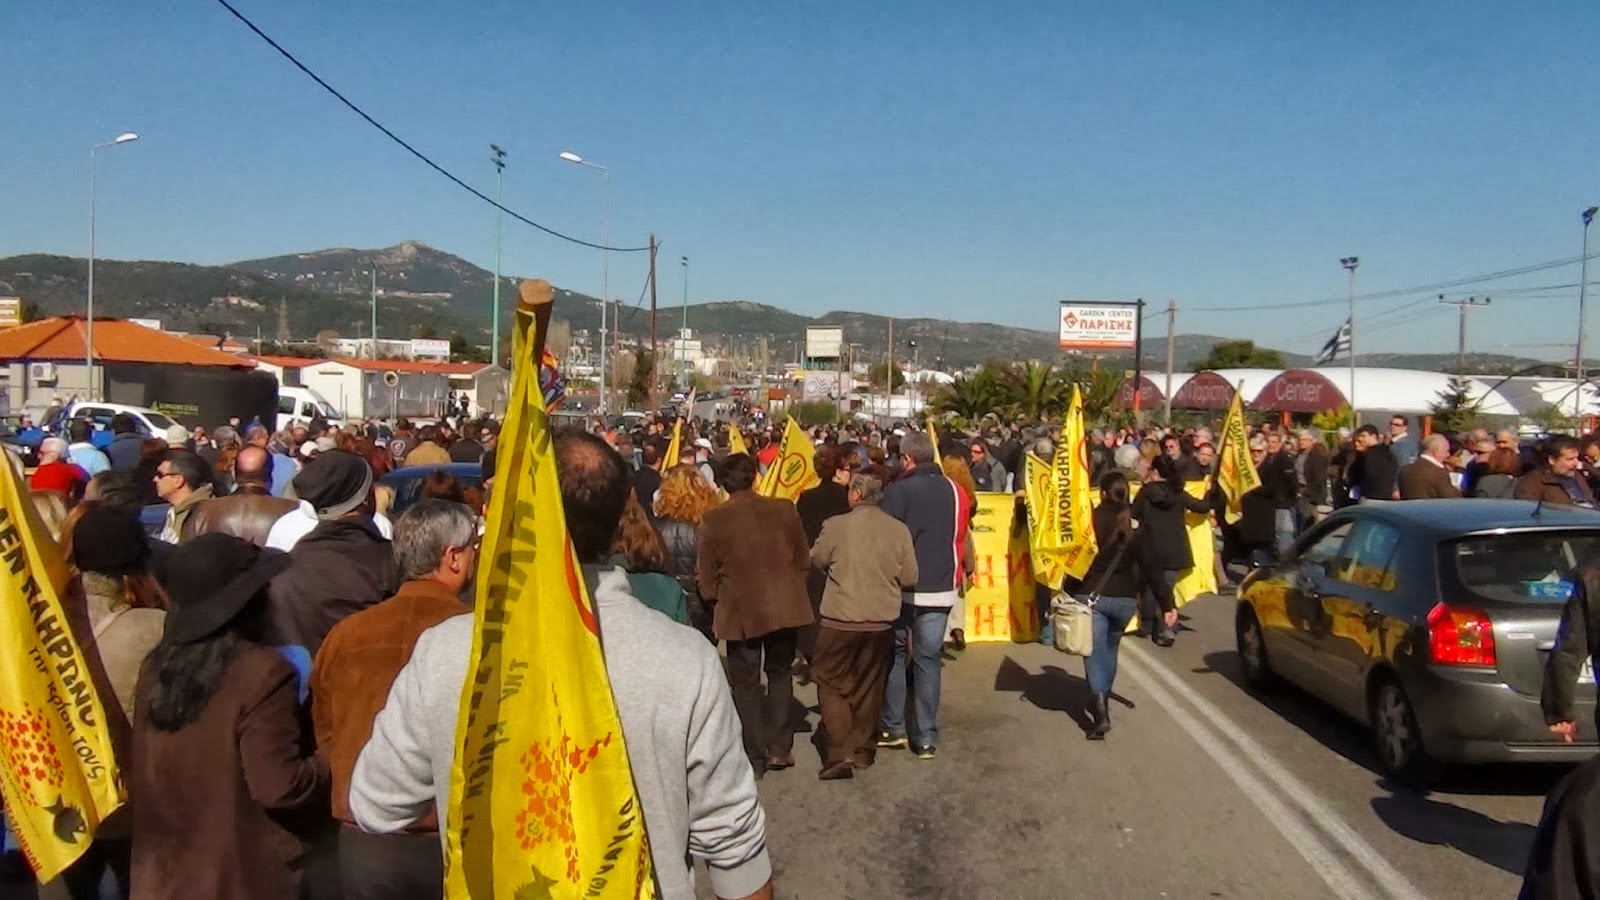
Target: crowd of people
[(285, 661)]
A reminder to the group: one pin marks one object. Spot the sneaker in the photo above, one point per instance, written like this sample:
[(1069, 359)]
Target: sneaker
[(892, 742), (924, 752)]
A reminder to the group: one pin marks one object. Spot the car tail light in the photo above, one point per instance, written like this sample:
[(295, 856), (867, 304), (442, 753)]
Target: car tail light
[(1460, 636)]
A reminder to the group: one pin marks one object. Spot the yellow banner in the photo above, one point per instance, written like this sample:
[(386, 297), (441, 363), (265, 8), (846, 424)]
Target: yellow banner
[(1039, 495), (999, 601), (58, 775), (1074, 502), (1236, 471), (933, 437), (793, 472), (736, 441), (542, 802), (674, 446)]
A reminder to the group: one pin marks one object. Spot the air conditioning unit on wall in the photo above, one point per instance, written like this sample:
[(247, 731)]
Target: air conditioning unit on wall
[(42, 372)]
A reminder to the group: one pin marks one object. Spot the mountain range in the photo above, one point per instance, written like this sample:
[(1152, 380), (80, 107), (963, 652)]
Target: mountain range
[(421, 288)]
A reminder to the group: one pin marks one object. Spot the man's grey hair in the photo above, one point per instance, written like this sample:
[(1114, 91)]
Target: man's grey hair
[(224, 435), (1433, 443), (917, 446), (426, 531), (1311, 433), (867, 488), (1044, 448), (1126, 456), (53, 445)]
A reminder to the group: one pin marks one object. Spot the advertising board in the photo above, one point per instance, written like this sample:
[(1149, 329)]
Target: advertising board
[(430, 348), (1098, 326), (824, 342)]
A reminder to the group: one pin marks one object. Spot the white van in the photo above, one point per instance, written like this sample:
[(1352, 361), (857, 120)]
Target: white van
[(302, 404)]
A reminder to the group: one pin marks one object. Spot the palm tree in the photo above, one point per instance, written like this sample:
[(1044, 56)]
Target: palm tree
[(970, 397), (1037, 391), (1100, 389)]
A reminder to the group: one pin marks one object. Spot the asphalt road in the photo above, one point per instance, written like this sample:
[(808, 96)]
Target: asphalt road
[(1203, 790)]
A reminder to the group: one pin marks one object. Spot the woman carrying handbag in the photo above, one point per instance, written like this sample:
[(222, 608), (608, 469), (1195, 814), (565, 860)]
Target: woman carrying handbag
[(1126, 564)]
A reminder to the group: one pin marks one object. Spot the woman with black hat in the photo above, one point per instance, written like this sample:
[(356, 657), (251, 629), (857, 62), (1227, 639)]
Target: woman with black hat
[(219, 764)]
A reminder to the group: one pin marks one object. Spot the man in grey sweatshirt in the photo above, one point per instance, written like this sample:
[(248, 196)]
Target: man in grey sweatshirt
[(683, 736)]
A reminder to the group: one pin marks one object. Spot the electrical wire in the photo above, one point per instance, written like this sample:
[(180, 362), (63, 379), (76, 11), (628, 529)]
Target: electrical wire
[(410, 149)]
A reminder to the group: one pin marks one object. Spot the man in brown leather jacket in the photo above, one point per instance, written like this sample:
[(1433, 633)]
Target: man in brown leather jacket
[(250, 511)]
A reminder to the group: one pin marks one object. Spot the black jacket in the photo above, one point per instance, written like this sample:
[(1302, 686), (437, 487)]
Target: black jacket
[(1159, 509), (1279, 480), (1137, 568), (1564, 863), (1577, 639), (646, 482), (340, 567), (818, 505), (1316, 469), (1375, 473)]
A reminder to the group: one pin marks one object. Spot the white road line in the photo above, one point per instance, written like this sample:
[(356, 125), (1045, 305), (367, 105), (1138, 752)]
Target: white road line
[(1344, 883), (1394, 884)]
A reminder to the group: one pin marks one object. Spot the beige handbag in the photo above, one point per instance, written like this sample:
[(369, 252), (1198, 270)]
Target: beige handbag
[(1073, 619)]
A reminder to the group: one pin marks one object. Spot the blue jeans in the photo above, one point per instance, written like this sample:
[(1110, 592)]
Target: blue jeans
[(923, 628), (1283, 529), (1041, 605), (1111, 617)]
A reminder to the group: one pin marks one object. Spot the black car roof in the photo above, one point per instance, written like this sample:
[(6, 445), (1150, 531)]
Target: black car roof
[(1447, 518)]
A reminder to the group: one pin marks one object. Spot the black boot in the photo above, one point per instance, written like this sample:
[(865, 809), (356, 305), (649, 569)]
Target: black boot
[(1100, 716)]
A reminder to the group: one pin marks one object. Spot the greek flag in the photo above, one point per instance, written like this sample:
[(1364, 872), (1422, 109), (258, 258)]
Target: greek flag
[(1339, 343)]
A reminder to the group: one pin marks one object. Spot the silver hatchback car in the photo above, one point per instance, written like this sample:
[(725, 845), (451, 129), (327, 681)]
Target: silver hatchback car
[(1429, 620)]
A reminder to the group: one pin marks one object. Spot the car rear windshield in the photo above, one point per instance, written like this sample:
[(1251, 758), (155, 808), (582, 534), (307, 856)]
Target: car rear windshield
[(1515, 567)]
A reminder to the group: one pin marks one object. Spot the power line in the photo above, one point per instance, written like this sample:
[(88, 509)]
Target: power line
[(1400, 292), (410, 149)]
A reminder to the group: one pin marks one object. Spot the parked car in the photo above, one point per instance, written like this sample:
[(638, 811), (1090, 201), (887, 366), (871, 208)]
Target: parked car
[(1428, 620), (407, 482)]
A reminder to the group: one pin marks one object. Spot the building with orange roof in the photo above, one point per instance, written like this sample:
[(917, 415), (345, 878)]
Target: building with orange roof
[(196, 384)]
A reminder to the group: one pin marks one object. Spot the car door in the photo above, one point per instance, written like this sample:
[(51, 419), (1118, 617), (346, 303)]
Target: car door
[(1299, 581), (1362, 589)]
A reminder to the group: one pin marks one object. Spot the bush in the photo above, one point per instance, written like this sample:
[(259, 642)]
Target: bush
[(811, 413)]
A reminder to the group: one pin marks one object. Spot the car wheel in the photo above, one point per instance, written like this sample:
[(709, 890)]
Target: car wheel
[(1396, 737), (1252, 644)]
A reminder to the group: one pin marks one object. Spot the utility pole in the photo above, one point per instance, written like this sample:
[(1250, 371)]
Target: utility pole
[(683, 334), (888, 377), (1172, 344), (1461, 335), (1350, 263), (1138, 357), (374, 312), (654, 388), (1583, 295), (497, 156)]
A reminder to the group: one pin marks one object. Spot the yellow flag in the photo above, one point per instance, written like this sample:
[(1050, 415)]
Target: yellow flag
[(1236, 471), (57, 772), (1039, 496), (793, 472), (542, 802), (736, 441), (1073, 506), (674, 445), (933, 437)]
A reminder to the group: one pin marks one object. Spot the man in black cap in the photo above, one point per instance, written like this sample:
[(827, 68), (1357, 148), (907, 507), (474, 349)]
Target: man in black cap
[(342, 566)]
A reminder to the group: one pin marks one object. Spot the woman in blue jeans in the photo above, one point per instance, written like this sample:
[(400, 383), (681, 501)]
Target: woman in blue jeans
[(1126, 564)]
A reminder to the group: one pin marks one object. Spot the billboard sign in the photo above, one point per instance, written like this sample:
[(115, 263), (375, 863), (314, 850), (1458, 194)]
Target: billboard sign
[(820, 385), (10, 312), (152, 324), (1099, 326), (824, 342), (430, 348)]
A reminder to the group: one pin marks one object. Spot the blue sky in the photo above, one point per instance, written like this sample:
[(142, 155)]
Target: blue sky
[(974, 161)]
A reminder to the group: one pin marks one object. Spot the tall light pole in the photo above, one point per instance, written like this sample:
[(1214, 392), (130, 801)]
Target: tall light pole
[(497, 157), (605, 264), (127, 137), (374, 312), (1350, 263), (683, 335), (1583, 296)]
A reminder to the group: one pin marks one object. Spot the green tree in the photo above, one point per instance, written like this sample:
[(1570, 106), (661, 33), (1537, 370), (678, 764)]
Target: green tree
[(464, 350), (639, 380), (811, 413), (1239, 355), (971, 397), (1100, 391), (425, 332), (1454, 411), (1552, 419), (1035, 391), (876, 376)]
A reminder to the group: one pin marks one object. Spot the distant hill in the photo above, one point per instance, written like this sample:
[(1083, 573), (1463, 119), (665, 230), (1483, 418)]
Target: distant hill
[(422, 287)]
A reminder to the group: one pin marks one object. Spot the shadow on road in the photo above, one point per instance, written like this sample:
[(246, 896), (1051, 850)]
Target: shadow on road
[(1052, 689), (1422, 818)]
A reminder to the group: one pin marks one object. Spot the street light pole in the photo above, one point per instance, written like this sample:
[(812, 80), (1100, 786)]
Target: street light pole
[(605, 264), (88, 336), (1583, 296), (1350, 263), (374, 312), (497, 156)]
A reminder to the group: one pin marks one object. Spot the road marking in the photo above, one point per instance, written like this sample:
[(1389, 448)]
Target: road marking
[(1339, 877)]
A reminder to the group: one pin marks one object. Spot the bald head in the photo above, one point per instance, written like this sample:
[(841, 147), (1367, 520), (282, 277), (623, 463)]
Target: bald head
[(252, 469)]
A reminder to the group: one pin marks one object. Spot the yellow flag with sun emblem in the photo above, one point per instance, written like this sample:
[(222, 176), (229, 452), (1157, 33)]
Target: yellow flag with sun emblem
[(542, 800), (736, 441), (793, 472), (58, 776)]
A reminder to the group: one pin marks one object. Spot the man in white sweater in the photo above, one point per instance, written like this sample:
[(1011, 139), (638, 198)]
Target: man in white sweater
[(683, 736)]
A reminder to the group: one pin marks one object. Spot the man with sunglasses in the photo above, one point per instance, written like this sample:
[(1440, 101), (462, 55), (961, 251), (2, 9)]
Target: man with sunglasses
[(1401, 444), (183, 480)]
